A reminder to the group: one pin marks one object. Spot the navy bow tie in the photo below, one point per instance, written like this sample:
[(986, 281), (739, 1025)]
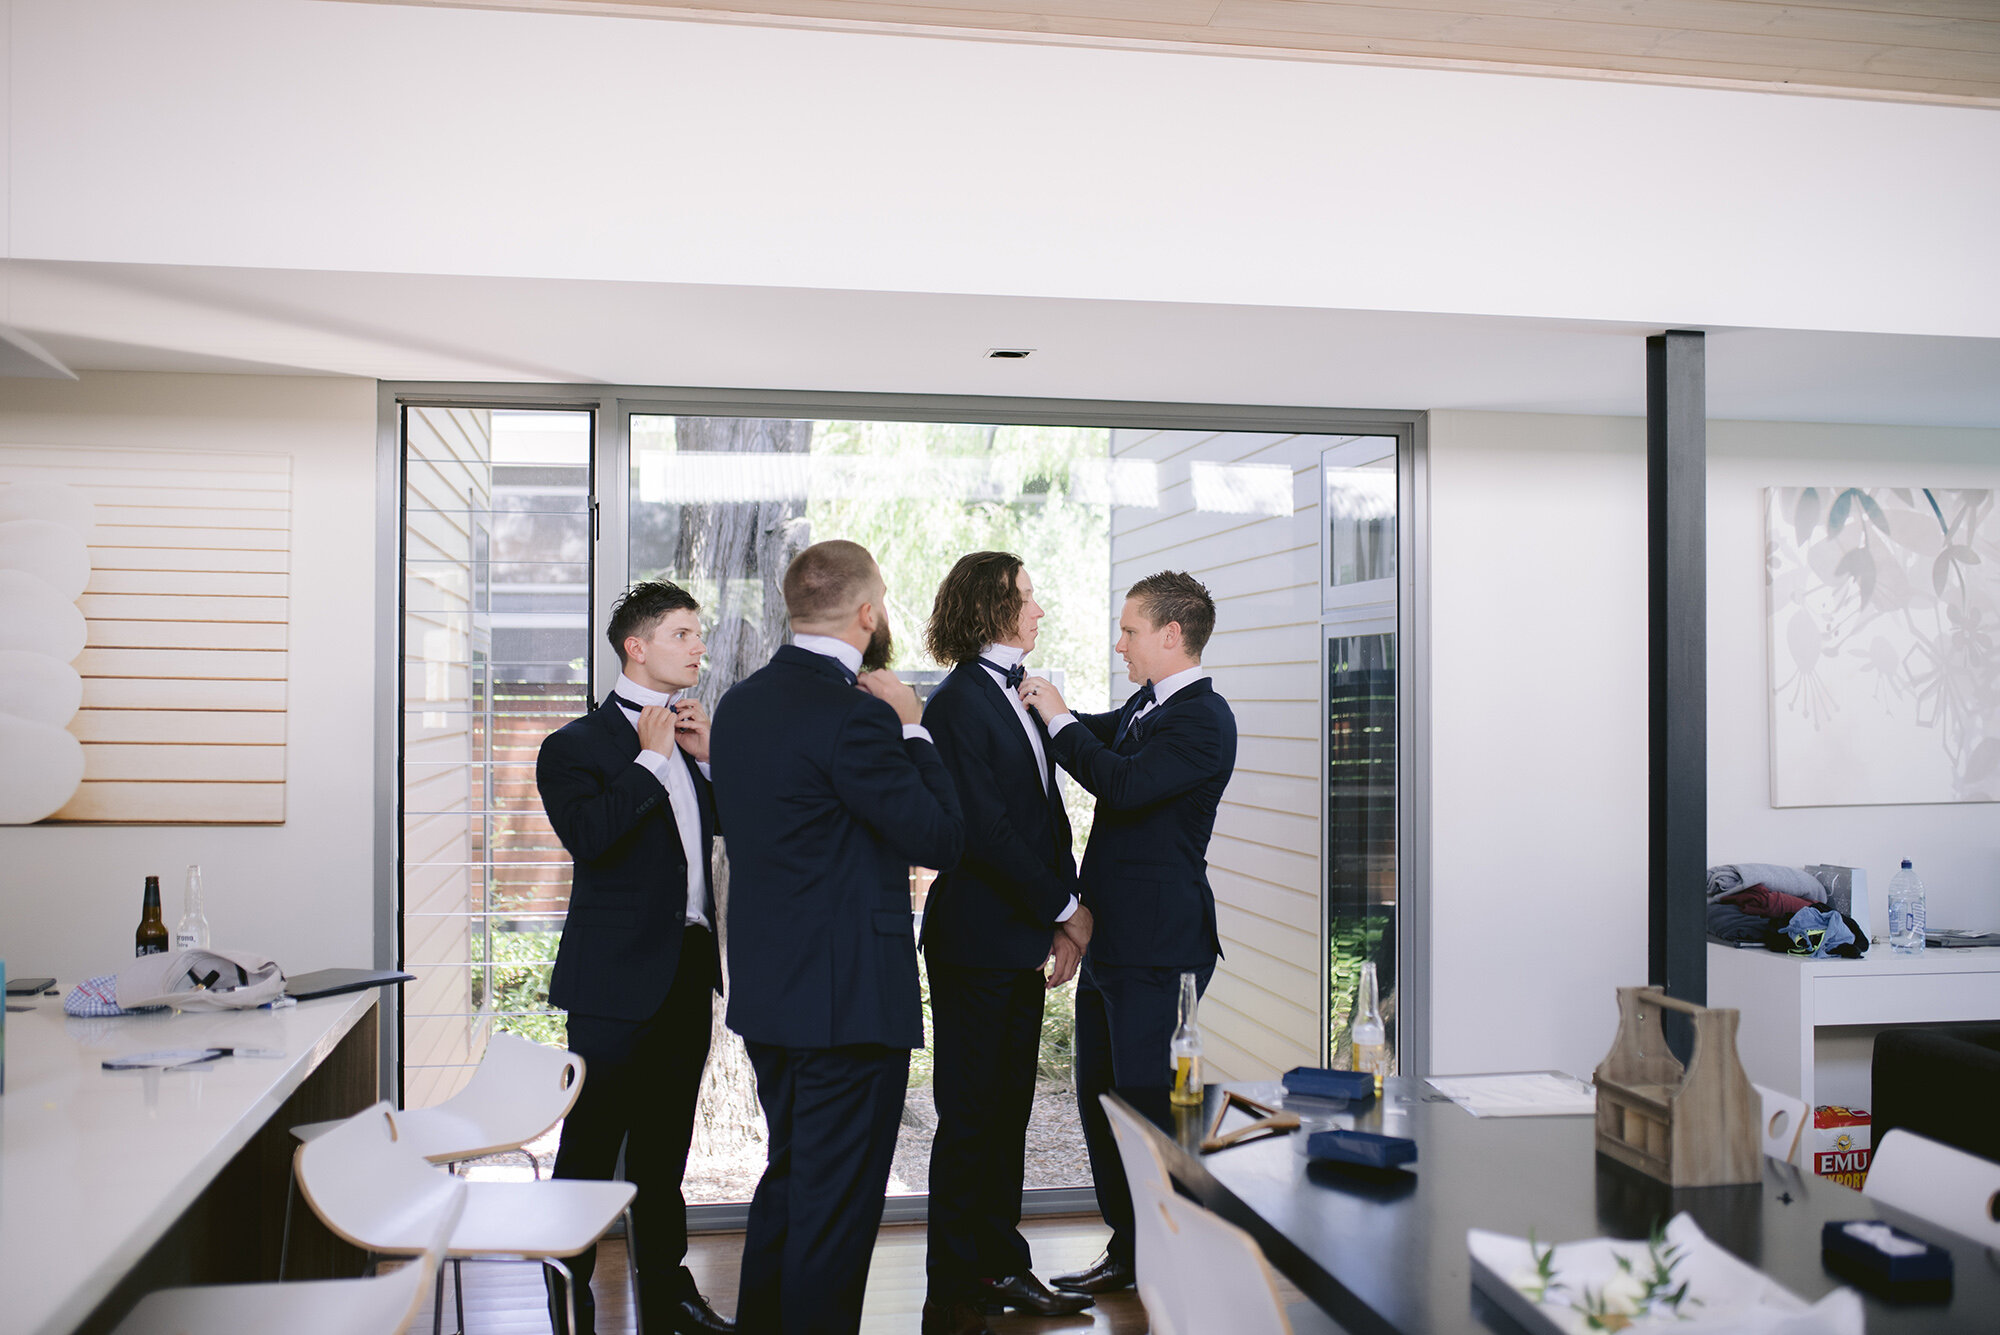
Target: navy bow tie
[(1140, 699), (1015, 675)]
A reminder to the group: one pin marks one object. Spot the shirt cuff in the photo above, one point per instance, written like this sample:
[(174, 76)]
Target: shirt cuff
[(917, 732), (1069, 912), (654, 763), (702, 765), (1059, 722)]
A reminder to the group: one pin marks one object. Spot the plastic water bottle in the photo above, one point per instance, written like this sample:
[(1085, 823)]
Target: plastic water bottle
[(1906, 912)]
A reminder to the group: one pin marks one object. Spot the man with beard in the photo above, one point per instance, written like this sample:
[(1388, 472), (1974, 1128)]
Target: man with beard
[(830, 789)]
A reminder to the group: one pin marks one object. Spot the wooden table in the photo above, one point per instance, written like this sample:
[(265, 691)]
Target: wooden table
[(1388, 1253), (114, 1183)]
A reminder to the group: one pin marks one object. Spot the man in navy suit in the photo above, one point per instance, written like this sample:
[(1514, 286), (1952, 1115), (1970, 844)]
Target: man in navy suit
[(830, 791), (1157, 767), (989, 925), (626, 789)]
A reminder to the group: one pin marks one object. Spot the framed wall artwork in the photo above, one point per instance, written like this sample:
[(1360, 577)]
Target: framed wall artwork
[(1884, 645), (144, 599)]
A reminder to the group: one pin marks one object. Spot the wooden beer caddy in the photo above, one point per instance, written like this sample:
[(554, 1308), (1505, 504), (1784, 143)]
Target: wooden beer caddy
[(1692, 1126)]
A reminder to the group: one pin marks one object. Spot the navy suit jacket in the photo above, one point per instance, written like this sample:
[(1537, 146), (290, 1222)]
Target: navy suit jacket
[(827, 808), (997, 908), (1145, 870), (628, 900)]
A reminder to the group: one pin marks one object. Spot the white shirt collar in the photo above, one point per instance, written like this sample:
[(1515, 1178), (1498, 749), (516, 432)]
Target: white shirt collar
[(1168, 685), (828, 647), (644, 695), (1006, 655)]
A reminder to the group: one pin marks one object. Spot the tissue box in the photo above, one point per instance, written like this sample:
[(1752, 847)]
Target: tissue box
[(1880, 1255), (1839, 1144)]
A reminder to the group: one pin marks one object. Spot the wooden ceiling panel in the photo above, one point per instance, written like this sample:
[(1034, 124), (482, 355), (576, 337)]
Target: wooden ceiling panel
[(1912, 50)]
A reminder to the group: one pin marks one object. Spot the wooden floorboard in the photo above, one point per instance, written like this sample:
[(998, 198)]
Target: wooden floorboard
[(505, 1298)]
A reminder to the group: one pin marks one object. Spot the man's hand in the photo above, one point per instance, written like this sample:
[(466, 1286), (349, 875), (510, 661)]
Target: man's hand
[(1040, 695), (1078, 927), (1064, 957), (889, 688), (656, 730), (691, 729)]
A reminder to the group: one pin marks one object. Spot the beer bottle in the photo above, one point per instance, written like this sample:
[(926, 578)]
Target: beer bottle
[(151, 938)]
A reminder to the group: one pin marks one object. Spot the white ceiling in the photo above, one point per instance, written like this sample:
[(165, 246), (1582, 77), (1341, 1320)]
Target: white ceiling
[(103, 317)]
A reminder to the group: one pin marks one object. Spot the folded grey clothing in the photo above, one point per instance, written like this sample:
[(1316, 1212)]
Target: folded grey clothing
[(1730, 924), (1730, 877)]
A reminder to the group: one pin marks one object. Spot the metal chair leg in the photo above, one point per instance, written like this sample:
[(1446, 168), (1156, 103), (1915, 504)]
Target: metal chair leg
[(458, 1291), (285, 1242), (569, 1290), (632, 1274), (534, 1164), (437, 1303)]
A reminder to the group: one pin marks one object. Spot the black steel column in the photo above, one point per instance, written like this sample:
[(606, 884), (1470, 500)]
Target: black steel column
[(1677, 603)]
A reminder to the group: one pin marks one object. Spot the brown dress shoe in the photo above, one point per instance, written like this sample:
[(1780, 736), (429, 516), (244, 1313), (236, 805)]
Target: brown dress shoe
[(953, 1318), (1025, 1293), (1103, 1276)]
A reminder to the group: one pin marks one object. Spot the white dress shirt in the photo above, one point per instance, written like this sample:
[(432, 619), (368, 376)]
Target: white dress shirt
[(826, 646), (1006, 655), (673, 776), (1163, 690)]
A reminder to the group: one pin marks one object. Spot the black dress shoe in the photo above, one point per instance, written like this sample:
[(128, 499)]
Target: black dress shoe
[(953, 1318), (1025, 1293), (1104, 1276), (693, 1316)]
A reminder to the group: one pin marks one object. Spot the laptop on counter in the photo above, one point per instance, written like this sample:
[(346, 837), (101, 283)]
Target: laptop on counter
[(332, 982)]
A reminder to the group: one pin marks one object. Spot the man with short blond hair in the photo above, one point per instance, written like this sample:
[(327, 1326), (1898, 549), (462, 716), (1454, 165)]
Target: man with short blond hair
[(1158, 767)]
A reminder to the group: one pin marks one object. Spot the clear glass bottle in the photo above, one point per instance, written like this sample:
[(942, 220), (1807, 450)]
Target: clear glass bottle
[(1907, 917), (1370, 1037), (1186, 1049), (192, 931)]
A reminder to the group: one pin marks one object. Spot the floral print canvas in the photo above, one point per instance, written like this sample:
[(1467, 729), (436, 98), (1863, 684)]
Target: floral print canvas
[(1884, 645)]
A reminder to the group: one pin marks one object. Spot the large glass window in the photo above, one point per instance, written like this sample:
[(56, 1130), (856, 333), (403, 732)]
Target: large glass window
[(720, 505), (1358, 543), (496, 647)]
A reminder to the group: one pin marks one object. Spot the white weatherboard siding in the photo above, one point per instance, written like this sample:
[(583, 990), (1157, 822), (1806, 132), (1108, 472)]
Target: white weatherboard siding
[(1265, 1009)]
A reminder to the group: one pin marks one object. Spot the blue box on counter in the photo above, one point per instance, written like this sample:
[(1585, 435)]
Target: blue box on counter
[(1318, 1083), (1365, 1149)]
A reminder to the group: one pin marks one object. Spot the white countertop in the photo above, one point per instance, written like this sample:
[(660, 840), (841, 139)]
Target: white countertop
[(95, 1164)]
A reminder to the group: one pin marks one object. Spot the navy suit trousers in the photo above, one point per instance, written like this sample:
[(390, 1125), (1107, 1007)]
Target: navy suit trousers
[(641, 1081), (833, 1114), (1125, 1019)]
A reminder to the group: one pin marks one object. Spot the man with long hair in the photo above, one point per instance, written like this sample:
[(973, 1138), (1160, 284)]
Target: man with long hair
[(989, 925)]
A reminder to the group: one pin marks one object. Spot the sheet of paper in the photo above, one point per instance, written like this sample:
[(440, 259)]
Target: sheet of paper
[(1519, 1094)]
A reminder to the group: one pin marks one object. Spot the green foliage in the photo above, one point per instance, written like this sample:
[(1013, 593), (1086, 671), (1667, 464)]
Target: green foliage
[(1058, 1045), (1351, 942), (519, 978)]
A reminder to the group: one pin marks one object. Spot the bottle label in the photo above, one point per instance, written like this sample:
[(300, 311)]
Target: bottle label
[(186, 940), (158, 949)]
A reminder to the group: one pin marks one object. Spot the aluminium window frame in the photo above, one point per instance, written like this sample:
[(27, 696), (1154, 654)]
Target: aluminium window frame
[(613, 406)]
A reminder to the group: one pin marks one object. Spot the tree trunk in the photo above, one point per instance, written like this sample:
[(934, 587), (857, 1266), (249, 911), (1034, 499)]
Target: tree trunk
[(739, 549)]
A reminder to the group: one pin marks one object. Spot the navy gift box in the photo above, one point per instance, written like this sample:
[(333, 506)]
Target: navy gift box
[(1364, 1149), (1355, 1087)]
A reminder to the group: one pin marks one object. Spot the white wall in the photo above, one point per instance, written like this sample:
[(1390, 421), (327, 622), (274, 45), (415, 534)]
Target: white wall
[(296, 134), (301, 892), (1538, 624)]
